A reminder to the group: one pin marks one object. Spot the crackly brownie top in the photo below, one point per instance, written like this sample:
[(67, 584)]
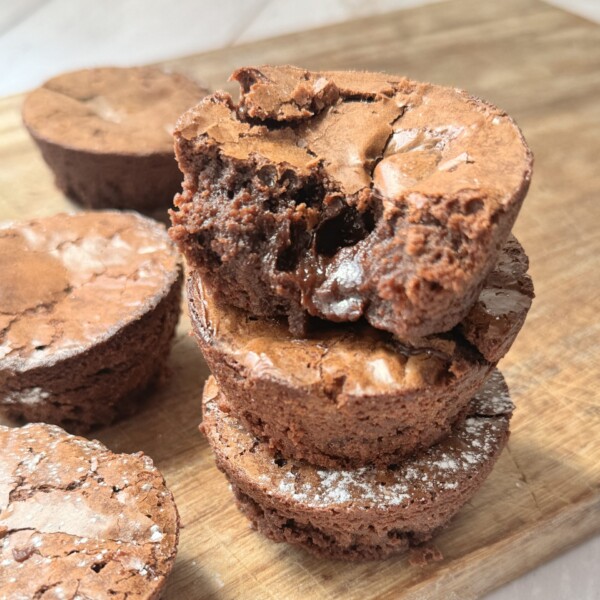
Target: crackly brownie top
[(432, 475), (128, 110), (77, 521), (70, 281), (395, 135), (354, 360), (360, 360)]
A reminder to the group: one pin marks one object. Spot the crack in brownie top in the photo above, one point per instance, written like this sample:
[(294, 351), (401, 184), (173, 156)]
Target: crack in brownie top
[(346, 194)]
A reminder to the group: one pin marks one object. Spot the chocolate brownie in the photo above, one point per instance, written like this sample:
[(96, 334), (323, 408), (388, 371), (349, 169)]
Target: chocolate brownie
[(77, 521), (352, 395), (88, 308), (343, 194), (363, 513), (106, 134)]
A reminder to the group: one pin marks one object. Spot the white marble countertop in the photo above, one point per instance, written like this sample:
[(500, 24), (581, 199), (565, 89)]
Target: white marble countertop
[(39, 38)]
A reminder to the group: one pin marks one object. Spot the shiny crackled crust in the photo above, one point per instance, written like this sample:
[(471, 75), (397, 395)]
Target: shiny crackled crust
[(350, 394), (341, 195), (362, 513), (77, 521), (111, 110), (88, 307)]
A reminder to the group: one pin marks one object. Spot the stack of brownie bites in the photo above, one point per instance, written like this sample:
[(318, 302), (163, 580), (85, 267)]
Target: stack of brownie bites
[(353, 283)]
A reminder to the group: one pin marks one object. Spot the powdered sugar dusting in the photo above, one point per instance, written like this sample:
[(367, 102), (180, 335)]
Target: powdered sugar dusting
[(493, 398), (33, 395), (338, 487)]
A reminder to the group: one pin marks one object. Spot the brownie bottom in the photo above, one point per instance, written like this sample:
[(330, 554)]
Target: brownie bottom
[(146, 183), (103, 384)]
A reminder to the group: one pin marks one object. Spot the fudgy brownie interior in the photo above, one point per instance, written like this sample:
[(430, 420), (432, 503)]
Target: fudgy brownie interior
[(341, 195)]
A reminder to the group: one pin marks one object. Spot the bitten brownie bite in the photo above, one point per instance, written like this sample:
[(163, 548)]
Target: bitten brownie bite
[(343, 194), (77, 521), (88, 306), (107, 134), (350, 394), (363, 513)]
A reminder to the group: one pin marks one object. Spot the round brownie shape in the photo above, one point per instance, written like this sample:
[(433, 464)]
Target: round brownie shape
[(77, 521), (350, 394), (106, 134), (88, 307), (363, 513), (342, 194)]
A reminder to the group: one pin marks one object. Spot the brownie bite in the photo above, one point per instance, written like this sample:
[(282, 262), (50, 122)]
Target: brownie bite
[(88, 307), (351, 395), (363, 513), (77, 521), (106, 134), (343, 195)]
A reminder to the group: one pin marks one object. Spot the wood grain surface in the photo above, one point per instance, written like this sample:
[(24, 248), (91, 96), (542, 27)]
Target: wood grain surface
[(543, 66)]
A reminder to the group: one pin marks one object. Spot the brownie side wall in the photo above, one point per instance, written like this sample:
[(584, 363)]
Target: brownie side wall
[(307, 424), (310, 423), (97, 180)]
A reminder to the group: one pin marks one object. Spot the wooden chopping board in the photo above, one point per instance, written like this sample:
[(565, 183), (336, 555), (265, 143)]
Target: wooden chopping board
[(543, 66)]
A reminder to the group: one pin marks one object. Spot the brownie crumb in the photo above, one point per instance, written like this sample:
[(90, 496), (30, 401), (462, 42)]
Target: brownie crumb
[(421, 556)]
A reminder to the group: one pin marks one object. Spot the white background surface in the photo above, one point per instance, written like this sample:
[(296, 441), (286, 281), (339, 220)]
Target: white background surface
[(40, 38)]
